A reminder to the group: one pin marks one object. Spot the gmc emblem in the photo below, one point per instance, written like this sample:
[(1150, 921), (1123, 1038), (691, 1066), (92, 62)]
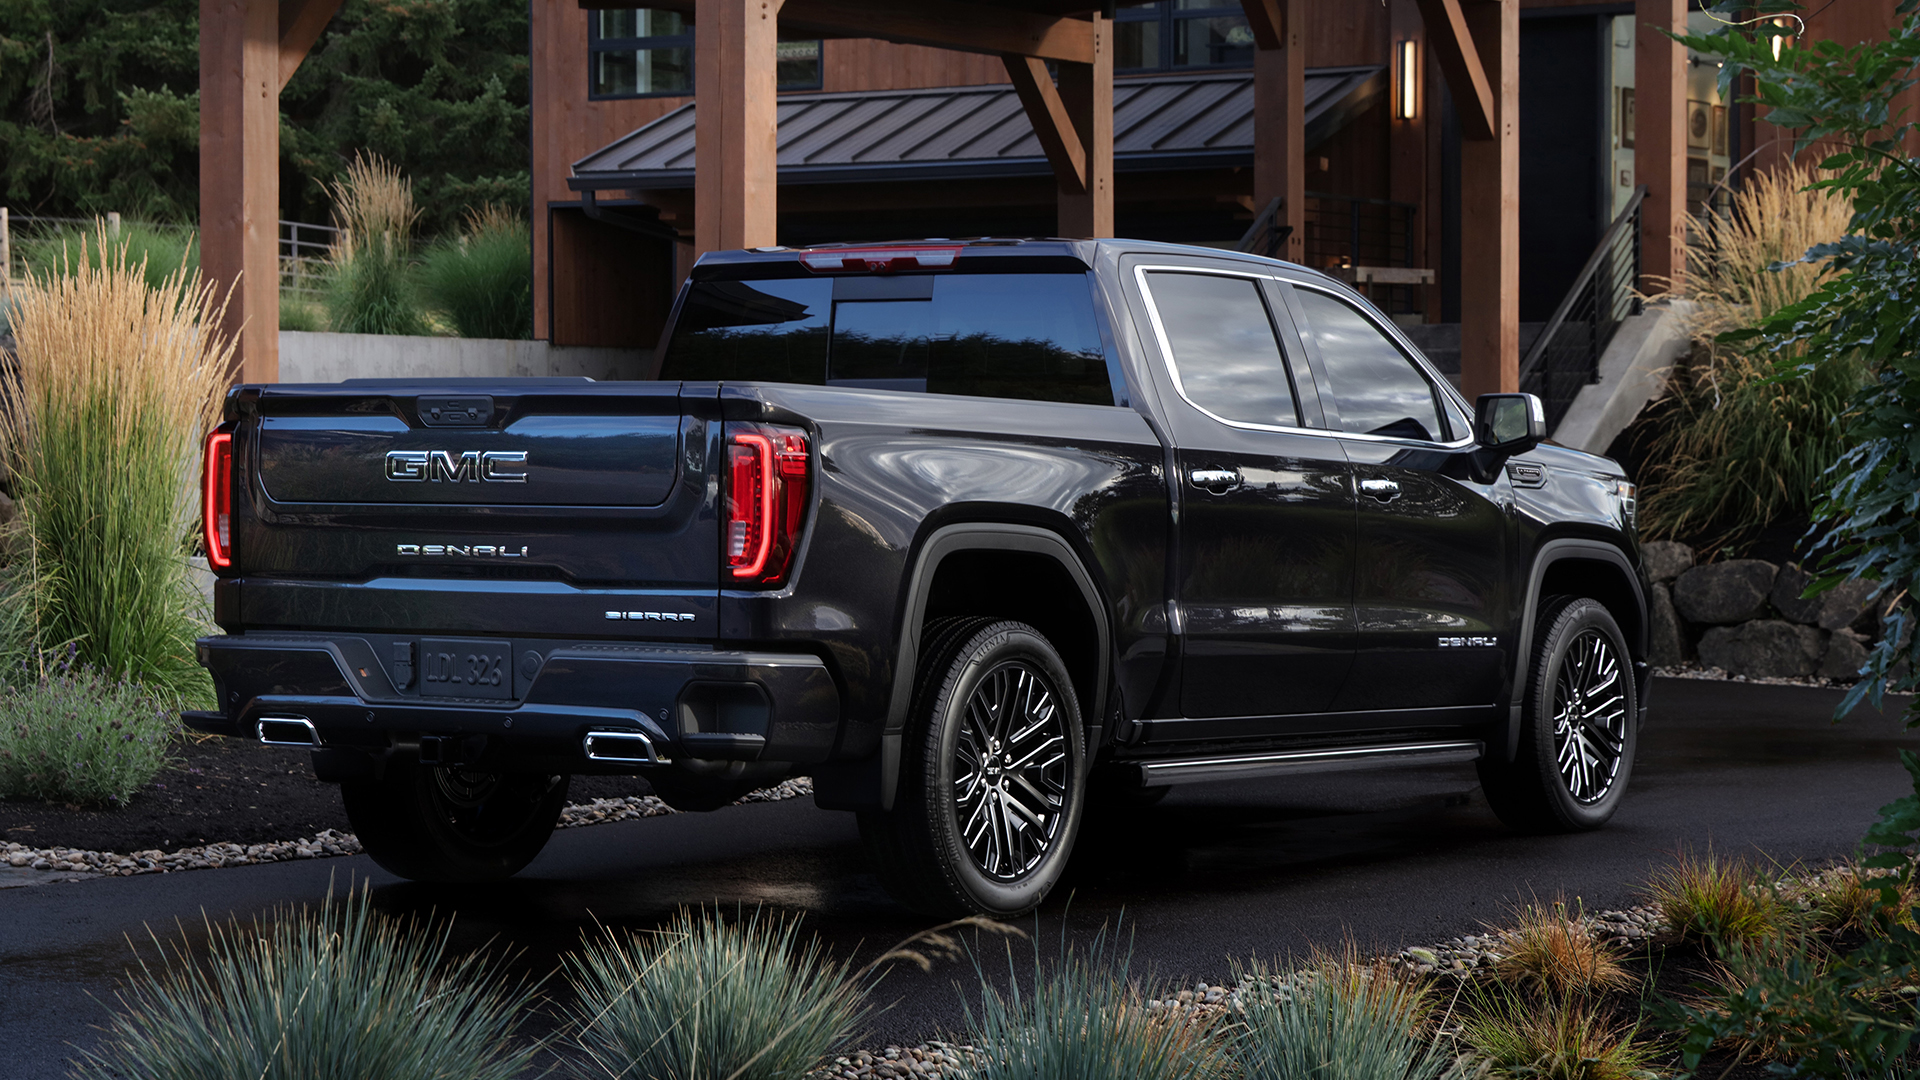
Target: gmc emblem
[(414, 466)]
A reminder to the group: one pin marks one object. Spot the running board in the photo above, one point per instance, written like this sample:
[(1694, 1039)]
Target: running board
[(1330, 759)]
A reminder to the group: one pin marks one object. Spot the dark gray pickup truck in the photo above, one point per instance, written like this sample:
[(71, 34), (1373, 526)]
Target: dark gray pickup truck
[(962, 530)]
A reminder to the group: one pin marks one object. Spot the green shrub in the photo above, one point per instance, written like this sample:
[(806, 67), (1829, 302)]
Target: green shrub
[(338, 992), (1080, 1019), (483, 280), (708, 1000), (1339, 1020), (161, 250), (80, 736)]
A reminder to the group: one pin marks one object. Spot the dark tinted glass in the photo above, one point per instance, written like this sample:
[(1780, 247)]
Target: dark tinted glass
[(762, 331), (1376, 389), (1224, 351)]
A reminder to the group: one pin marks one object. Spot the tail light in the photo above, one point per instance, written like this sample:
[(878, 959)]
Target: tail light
[(766, 500), (216, 500), (881, 260)]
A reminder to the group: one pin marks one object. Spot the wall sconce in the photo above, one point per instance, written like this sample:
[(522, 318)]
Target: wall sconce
[(1409, 80)]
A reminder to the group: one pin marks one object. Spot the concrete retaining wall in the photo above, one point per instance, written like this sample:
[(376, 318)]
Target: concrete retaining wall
[(310, 357)]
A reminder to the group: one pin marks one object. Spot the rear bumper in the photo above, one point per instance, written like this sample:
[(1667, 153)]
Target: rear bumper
[(644, 705)]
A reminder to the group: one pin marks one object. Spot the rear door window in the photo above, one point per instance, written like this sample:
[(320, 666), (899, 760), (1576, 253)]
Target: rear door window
[(1225, 356), (1026, 336)]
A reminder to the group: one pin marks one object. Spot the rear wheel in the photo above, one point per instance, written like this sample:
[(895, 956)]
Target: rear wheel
[(433, 824), (992, 775), (1578, 727)]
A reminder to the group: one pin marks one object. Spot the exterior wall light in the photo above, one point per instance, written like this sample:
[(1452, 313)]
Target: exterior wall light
[(1410, 79)]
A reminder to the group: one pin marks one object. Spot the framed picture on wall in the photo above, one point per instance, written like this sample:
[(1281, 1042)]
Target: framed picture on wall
[(1699, 126), (1720, 130), (1626, 118)]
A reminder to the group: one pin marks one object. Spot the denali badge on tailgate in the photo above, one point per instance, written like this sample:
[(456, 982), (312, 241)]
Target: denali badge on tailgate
[(462, 551), (490, 467)]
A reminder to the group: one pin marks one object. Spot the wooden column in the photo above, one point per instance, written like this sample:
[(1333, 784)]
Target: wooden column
[(1086, 91), (240, 175), (1490, 209), (1279, 116), (736, 172), (1659, 141)]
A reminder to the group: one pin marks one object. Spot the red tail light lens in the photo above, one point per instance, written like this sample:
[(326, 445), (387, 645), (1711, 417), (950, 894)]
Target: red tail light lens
[(881, 260), (766, 501), (216, 500)]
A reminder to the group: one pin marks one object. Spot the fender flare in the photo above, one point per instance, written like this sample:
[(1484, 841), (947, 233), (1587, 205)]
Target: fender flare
[(983, 536), (1551, 552)]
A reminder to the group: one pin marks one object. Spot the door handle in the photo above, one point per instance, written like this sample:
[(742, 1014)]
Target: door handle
[(1383, 490), (1217, 481)]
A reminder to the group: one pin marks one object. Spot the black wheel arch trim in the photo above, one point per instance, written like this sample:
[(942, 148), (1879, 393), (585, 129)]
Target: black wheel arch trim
[(1549, 553)]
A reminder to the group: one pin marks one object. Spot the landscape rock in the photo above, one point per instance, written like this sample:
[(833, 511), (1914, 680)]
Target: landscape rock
[(1724, 593), (1666, 645), (1666, 559), (1846, 654), (1848, 605), (1787, 587), (1764, 648)]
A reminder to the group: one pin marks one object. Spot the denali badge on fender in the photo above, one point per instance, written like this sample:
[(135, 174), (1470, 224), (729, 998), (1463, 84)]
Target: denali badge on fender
[(413, 466), (463, 551)]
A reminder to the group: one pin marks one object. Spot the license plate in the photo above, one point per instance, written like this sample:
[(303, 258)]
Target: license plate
[(453, 667)]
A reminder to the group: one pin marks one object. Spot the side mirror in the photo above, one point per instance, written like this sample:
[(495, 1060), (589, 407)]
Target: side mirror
[(1509, 423)]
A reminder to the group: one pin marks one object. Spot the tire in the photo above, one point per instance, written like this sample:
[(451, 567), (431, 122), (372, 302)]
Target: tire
[(1566, 778), (967, 837), (426, 823)]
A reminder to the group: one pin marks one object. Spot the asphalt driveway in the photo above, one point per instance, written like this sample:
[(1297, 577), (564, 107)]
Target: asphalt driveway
[(1215, 871)]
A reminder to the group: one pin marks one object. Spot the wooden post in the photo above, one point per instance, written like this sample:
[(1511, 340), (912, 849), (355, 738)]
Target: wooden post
[(1659, 141), (1086, 90), (736, 172), (113, 224), (1279, 117), (1490, 209), (240, 175)]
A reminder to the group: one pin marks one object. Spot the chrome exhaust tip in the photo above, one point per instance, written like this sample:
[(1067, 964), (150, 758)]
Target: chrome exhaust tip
[(627, 747), (288, 731)]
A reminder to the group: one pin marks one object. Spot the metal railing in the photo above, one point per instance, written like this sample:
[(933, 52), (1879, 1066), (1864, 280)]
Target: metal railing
[(1566, 356), (1342, 232), (304, 249)]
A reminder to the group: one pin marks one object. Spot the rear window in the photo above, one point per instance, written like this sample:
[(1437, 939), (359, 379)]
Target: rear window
[(1028, 336)]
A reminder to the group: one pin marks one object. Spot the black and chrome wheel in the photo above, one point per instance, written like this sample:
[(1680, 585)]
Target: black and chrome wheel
[(434, 824), (1578, 727), (991, 775)]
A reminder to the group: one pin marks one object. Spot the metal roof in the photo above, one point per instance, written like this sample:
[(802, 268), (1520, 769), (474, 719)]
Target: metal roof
[(1185, 120)]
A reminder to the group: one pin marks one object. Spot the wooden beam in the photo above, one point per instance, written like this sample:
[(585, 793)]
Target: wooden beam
[(240, 175), (735, 141), (1086, 208), (1490, 211), (1051, 124), (1280, 129), (1659, 141), (301, 22), (1454, 50), (1267, 22), (943, 24)]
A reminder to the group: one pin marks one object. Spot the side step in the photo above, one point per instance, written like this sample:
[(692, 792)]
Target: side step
[(1328, 759)]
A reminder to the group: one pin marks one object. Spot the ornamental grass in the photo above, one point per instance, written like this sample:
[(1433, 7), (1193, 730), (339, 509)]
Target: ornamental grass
[(369, 288), (1550, 950), (1341, 1018), (1719, 903), (482, 280)]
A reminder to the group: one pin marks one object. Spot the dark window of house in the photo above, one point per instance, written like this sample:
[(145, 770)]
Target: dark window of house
[(1224, 350), (1375, 388), (1182, 34), (1027, 336), (634, 52)]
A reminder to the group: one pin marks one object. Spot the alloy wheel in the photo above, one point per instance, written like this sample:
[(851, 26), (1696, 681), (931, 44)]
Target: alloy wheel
[(1589, 717), (1011, 771)]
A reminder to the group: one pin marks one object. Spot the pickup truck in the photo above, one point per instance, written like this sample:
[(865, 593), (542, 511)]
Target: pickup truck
[(981, 536)]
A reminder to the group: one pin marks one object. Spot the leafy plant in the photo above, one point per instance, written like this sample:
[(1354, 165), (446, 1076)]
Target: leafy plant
[(77, 735), (1547, 1038), (117, 383), (1339, 1019), (705, 999), (341, 991), (483, 279), (370, 288), (1550, 950), (1718, 902)]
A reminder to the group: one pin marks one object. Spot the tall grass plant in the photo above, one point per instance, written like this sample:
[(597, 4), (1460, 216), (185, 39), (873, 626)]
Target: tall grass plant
[(118, 381), (483, 279), (1340, 1019), (370, 287)]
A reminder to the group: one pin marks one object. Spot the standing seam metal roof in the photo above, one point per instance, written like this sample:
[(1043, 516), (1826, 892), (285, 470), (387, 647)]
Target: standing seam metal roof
[(1182, 120)]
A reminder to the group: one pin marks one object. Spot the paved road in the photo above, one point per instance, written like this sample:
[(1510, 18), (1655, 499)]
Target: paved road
[(1232, 870)]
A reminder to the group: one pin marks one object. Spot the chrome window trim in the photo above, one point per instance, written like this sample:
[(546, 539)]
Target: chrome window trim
[(1412, 355)]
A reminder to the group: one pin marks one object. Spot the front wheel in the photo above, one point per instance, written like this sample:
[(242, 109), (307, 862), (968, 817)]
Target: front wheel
[(451, 825), (1578, 727), (992, 774)]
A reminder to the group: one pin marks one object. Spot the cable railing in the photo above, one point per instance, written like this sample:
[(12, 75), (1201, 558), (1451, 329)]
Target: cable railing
[(1566, 356)]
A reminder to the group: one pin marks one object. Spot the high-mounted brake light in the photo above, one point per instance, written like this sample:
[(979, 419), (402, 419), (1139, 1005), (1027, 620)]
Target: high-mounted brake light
[(881, 260), (216, 500), (767, 477)]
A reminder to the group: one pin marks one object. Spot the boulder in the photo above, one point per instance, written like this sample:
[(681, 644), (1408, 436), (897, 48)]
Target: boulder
[(1764, 648), (1846, 654), (1666, 644), (1724, 593), (1788, 584), (1851, 605), (1666, 559)]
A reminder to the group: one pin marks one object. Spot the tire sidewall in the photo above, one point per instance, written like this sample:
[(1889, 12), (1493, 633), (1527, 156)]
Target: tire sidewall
[(980, 656), (1565, 626)]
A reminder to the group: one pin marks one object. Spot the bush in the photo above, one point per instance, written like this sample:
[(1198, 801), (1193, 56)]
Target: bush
[(1550, 950), (1339, 1020), (483, 279), (1719, 902), (338, 992), (1081, 1020), (1544, 1038), (708, 1000), (117, 383), (80, 736), (370, 289)]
